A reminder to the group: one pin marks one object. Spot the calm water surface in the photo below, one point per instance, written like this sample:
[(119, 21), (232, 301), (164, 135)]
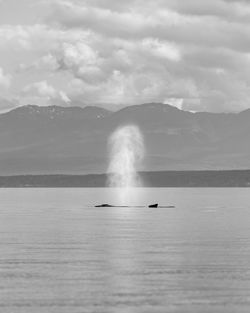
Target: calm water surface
[(59, 254)]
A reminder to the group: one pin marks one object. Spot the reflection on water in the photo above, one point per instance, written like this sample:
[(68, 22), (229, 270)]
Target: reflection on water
[(59, 254)]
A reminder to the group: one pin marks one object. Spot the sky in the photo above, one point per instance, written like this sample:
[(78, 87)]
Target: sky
[(193, 54)]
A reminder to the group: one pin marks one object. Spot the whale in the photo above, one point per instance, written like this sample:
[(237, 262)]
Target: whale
[(155, 205)]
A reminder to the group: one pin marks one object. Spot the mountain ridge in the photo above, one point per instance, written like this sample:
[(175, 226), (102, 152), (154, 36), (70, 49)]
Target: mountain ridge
[(55, 139)]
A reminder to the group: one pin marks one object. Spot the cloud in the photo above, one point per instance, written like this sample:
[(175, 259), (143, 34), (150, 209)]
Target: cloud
[(161, 49), (166, 20), (182, 51), (82, 60), (5, 79), (46, 91), (233, 10), (47, 62), (102, 20), (192, 54)]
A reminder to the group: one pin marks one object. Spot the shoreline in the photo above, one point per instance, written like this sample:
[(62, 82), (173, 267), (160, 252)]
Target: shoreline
[(153, 179)]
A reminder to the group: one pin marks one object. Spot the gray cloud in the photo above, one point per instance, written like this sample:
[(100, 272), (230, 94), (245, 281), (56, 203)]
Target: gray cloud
[(193, 54), (163, 23)]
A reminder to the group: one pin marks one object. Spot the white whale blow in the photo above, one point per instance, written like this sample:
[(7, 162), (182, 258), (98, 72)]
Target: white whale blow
[(126, 154)]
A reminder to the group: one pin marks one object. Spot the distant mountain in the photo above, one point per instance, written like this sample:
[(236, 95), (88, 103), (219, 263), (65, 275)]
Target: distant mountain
[(73, 140)]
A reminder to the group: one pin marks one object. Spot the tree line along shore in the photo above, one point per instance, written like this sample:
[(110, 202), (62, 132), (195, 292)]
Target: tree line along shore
[(225, 178)]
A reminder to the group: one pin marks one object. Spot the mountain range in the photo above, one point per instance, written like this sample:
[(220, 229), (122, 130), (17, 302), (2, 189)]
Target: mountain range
[(73, 140)]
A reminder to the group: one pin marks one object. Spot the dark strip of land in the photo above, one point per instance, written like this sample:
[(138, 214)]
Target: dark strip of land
[(232, 178)]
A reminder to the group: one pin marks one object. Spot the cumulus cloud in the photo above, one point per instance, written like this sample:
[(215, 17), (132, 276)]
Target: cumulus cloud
[(82, 60), (194, 55), (187, 52), (45, 90)]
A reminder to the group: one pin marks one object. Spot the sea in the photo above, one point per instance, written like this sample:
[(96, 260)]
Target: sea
[(61, 254)]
